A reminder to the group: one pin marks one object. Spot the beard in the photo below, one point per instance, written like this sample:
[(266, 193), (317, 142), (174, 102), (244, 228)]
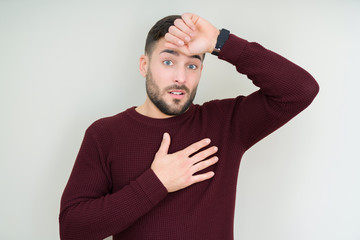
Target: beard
[(172, 109)]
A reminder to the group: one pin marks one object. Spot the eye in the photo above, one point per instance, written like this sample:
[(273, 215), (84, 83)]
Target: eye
[(192, 67), (168, 63)]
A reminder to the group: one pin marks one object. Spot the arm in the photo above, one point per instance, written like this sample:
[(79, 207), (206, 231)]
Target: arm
[(88, 208), (285, 88)]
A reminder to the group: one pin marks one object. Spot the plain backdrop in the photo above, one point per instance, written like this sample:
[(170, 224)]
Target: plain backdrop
[(64, 64)]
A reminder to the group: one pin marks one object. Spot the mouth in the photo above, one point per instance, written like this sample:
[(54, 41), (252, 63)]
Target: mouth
[(178, 94)]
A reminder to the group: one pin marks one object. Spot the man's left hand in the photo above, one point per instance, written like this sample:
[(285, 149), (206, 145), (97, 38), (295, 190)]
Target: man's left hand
[(192, 35)]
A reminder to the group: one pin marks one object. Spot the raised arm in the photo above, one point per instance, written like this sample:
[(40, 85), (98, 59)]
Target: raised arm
[(285, 88)]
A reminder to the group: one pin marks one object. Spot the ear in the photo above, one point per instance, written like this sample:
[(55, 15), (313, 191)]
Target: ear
[(143, 65)]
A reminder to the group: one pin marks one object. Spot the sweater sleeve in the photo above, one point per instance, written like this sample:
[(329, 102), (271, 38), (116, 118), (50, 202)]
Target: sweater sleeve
[(89, 210), (285, 90)]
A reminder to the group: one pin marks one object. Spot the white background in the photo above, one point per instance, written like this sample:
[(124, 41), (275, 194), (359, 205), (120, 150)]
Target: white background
[(64, 64)]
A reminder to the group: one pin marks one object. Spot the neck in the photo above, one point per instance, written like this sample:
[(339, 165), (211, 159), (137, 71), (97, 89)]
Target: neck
[(150, 110)]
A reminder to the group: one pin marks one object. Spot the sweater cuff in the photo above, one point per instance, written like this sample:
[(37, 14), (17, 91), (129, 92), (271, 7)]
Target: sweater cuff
[(232, 49), (152, 186)]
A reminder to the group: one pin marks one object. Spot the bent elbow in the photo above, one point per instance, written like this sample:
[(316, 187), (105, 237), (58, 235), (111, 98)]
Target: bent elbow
[(310, 90)]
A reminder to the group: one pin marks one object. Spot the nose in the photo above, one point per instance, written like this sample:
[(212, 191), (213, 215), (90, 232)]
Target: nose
[(180, 75)]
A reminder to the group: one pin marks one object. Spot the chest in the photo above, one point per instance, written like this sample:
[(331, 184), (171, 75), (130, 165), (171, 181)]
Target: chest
[(133, 151)]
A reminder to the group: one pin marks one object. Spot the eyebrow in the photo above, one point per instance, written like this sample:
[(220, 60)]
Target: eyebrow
[(177, 54)]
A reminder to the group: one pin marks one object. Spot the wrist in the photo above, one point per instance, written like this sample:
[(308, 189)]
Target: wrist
[(214, 40)]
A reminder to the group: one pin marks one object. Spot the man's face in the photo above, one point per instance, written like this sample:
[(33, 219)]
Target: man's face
[(171, 79)]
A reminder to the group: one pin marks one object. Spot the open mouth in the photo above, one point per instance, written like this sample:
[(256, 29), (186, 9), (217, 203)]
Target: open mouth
[(178, 93)]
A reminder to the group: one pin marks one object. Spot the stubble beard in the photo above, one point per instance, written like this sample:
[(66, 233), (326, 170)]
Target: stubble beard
[(175, 108)]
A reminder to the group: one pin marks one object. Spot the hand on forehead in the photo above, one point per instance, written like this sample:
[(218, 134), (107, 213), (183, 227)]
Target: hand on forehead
[(191, 35), (183, 30)]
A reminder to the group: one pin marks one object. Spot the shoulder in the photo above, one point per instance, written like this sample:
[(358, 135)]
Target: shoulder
[(102, 129), (222, 105), (109, 122)]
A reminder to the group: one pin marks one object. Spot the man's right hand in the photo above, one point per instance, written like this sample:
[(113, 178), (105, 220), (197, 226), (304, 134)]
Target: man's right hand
[(176, 171)]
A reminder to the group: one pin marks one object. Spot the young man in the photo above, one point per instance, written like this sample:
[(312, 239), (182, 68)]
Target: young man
[(168, 169)]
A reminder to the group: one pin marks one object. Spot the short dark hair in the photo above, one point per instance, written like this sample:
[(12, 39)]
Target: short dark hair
[(158, 31)]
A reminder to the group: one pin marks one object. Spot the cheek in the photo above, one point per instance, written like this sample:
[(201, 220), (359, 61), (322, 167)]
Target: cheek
[(195, 79), (158, 73)]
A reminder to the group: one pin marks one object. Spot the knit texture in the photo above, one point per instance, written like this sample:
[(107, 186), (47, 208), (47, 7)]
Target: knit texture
[(113, 191)]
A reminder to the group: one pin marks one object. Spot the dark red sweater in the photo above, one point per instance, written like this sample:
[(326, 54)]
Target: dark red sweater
[(113, 191)]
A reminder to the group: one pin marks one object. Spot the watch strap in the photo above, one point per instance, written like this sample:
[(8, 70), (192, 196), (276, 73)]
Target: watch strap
[(222, 38)]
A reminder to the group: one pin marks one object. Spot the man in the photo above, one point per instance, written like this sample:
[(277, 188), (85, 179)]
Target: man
[(168, 169)]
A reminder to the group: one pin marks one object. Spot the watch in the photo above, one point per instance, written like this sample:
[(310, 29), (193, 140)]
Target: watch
[(223, 36)]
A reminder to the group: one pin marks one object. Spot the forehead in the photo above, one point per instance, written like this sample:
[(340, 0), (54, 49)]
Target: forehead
[(160, 49), (159, 45)]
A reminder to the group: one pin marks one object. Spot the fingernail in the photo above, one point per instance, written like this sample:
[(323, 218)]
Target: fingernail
[(181, 42), (215, 148), (208, 140), (187, 39)]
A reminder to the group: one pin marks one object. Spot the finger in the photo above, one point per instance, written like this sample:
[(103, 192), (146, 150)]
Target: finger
[(204, 164), (202, 177), (203, 154), (179, 33), (165, 144), (174, 40), (170, 45), (183, 27), (190, 20), (196, 146)]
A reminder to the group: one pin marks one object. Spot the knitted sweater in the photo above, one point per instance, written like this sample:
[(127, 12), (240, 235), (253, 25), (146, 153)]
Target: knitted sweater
[(113, 191)]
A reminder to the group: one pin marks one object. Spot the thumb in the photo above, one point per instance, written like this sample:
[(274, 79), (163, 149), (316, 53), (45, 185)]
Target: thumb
[(165, 144)]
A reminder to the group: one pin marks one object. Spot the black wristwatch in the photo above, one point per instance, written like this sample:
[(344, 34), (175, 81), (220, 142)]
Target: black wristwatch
[(223, 36)]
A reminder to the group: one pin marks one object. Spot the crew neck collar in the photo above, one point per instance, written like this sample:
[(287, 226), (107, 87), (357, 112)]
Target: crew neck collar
[(160, 121)]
